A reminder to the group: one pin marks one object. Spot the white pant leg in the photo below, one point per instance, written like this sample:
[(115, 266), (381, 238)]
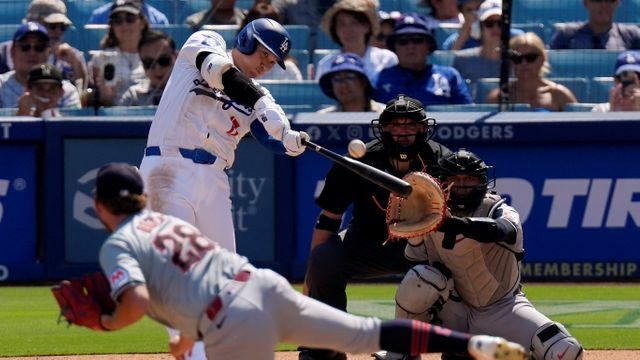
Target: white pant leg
[(213, 206)]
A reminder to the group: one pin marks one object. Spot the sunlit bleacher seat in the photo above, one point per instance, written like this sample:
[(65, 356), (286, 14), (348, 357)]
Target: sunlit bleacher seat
[(324, 41), (228, 32), (544, 32), (579, 107), (178, 32), (168, 7), (412, 6), (390, 5), (7, 31), (298, 92), (582, 63), (12, 12), (188, 7), (127, 111), (476, 107), (87, 111), (600, 87), (79, 11), (318, 54)]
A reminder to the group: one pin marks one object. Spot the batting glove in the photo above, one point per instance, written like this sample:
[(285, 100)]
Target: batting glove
[(292, 141)]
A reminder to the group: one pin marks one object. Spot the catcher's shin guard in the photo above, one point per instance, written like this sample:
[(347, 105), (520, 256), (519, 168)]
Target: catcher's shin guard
[(422, 293)]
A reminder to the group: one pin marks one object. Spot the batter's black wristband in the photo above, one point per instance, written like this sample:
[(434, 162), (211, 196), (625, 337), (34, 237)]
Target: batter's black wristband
[(240, 88), (326, 223)]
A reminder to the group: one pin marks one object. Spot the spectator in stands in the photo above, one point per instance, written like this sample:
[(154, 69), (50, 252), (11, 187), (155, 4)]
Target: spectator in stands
[(157, 52), (413, 41), (351, 24), (625, 94), (30, 47), (117, 66), (153, 15), (443, 11), (69, 60), (221, 12), (469, 34), (263, 9), (599, 32), (43, 92), (347, 82), (303, 12), (530, 65), (387, 23), (484, 60)]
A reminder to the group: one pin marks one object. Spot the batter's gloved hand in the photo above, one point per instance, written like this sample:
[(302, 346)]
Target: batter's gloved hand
[(82, 301), (292, 141)]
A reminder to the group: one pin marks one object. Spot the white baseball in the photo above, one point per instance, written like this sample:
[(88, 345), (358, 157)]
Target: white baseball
[(357, 148)]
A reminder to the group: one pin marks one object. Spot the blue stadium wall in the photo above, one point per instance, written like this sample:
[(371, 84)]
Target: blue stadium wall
[(574, 177)]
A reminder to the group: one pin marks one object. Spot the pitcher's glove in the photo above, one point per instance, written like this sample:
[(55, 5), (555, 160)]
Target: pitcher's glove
[(83, 300), (421, 212)]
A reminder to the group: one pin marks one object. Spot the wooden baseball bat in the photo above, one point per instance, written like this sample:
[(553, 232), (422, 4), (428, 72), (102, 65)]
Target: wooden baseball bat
[(376, 176)]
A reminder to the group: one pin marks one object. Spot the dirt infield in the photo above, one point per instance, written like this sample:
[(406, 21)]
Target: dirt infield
[(293, 355)]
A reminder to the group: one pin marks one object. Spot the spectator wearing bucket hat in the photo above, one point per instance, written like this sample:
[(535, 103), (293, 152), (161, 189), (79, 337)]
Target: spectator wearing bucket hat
[(625, 93), (30, 47), (43, 92), (348, 84), (413, 41), (101, 14), (69, 60), (351, 24)]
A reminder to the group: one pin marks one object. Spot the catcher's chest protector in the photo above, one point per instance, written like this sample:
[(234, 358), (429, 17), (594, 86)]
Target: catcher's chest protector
[(482, 272)]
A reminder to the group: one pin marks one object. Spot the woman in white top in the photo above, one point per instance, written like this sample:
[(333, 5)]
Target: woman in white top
[(115, 68), (351, 23)]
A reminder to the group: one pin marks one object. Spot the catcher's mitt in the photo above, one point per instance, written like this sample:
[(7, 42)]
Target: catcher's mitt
[(421, 212), (83, 300)]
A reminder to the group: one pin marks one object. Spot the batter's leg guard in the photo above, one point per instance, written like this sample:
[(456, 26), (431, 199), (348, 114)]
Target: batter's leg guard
[(553, 341)]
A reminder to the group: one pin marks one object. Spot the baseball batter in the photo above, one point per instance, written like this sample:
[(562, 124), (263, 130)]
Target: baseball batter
[(163, 266), (209, 104), (476, 254)]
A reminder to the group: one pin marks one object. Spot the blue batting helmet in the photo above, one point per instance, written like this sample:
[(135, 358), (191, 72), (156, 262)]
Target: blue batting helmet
[(267, 32)]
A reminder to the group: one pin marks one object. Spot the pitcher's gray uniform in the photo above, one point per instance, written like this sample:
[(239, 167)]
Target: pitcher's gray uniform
[(485, 268), (184, 272)]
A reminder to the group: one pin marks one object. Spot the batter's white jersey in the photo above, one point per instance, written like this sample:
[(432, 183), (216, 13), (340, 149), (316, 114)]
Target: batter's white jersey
[(211, 294), (193, 115)]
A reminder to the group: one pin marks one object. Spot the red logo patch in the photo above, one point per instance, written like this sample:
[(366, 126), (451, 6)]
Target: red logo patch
[(234, 127)]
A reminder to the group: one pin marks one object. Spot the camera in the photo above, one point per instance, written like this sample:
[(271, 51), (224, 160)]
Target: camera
[(628, 79), (105, 62)]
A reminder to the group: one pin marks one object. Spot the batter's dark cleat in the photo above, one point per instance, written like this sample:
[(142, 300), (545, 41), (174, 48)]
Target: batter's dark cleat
[(308, 354), (483, 347)]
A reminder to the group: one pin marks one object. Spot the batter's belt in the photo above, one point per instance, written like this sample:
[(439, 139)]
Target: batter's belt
[(198, 156)]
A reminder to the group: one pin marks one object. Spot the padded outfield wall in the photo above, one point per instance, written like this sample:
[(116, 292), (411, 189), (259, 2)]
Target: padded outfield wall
[(574, 177)]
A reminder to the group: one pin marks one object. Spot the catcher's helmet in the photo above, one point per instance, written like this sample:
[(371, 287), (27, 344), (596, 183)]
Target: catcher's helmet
[(267, 32), (464, 162), (403, 107)]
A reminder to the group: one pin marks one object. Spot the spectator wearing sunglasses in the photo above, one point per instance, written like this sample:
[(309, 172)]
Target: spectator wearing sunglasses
[(69, 60), (44, 91), (157, 52), (625, 93), (387, 23), (529, 63), (483, 61), (351, 24), (599, 31), (101, 14), (413, 41), (348, 84), (117, 66), (30, 47)]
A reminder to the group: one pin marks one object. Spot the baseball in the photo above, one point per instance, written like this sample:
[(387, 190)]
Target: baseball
[(357, 148)]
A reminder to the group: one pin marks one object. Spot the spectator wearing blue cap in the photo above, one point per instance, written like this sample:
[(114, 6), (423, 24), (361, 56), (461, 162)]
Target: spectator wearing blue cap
[(351, 24), (101, 14), (30, 47), (413, 41), (625, 93), (599, 31), (348, 84)]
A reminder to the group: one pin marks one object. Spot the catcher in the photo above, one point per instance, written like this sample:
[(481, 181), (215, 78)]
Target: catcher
[(402, 145), (472, 282), (163, 266)]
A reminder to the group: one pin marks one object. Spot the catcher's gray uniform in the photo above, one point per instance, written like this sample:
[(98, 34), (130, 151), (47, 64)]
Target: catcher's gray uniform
[(211, 294), (487, 296)]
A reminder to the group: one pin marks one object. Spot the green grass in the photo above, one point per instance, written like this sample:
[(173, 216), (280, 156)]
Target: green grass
[(600, 316)]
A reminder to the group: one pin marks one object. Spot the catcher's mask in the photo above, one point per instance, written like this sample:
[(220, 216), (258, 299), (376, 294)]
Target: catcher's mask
[(403, 107), (463, 162)]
